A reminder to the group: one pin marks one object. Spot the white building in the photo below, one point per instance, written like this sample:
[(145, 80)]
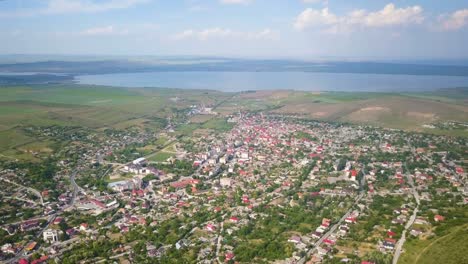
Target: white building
[(225, 182), (50, 236), (139, 161), (223, 160), (120, 186)]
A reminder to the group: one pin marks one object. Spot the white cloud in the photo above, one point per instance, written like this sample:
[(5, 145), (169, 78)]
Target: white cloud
[(312, 17), (313, 1), (75, 6), (236, 2), (388, 16), (394, 16), (89, 6), (454, 21), (218, 33), (103, 31)]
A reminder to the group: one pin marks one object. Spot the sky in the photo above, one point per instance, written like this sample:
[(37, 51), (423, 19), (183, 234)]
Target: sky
[(304, 29)]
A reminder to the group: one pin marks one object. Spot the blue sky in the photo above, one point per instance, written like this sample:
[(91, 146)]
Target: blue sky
[(243, 28)]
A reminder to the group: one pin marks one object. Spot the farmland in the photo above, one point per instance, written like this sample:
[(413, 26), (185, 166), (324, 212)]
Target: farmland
[(102, 107)]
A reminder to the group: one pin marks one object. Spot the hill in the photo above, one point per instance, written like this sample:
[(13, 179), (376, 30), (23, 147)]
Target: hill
[(448, 249)]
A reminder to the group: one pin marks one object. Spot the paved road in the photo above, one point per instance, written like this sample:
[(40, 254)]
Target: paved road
[(34, 191), (401, 242), (332, 229), (220, 239), (20, 253), (75, 187)]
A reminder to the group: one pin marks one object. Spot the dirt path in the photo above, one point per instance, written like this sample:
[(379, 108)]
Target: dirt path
[(428, 246)]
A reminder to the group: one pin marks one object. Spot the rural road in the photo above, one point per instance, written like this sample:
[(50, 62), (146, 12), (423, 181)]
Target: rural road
[(34, 191), (401, 242), (332, 229)]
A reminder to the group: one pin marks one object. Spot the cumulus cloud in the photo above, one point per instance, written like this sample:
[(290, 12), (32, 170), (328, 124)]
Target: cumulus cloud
[(217, 33), (312, 17), (394, 16), (388, 16), (454, 21), (236, 2)]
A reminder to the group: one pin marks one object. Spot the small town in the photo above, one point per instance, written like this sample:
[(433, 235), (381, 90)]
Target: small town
[(264, 188)]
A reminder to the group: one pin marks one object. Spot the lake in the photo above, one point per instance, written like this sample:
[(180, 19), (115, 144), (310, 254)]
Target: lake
[(306, 81)]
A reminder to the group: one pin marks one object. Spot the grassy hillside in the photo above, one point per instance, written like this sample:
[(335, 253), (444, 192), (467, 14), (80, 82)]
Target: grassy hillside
[(99, 107), (448, 249), (400, 111), (95, 107)]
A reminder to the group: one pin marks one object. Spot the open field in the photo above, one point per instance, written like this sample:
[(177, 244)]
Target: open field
[(100, 107), (218, 124), (11, 138), (161, 156), (95, 107), (450, 248), (409, 112)]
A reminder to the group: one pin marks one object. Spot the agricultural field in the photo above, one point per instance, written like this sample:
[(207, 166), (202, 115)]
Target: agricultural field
[(102, 107), (400, 111), (94, 107), (218, 124)]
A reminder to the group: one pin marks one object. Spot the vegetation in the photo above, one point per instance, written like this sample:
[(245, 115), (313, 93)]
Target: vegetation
[(450, 248)]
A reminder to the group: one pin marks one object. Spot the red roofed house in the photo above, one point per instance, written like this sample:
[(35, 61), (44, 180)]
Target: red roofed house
[(211, 227), (295, 239), (326, 222), (58, 220), (183, 183), (83, 226), (43, 259), (229, 256)]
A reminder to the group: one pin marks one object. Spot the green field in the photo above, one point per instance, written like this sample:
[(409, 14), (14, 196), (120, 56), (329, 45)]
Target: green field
[(218, 124), (451, 248), (161, 156), (95, 107), (101, 107), (11, 138)]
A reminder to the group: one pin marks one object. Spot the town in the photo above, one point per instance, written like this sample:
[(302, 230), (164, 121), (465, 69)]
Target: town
[(269, 189)]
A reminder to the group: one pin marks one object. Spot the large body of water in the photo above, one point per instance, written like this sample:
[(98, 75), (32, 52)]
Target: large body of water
[(307, 81)]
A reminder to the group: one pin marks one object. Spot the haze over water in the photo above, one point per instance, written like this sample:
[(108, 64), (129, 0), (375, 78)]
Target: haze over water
[(307, 81)]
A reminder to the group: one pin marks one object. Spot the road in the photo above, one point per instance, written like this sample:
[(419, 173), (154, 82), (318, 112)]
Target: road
[(401, 242), (20, 253), (34, 191), (332, 229), (50, 218), (75, 187), (220, 239)]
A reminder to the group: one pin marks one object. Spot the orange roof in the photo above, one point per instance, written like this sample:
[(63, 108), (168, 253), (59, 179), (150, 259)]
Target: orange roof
[(31, 246)]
